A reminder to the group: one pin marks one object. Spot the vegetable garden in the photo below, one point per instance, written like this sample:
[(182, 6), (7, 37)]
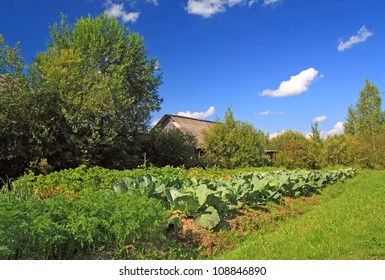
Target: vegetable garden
[(100, 213)]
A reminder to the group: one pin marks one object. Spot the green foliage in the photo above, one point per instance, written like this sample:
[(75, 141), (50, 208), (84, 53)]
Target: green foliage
[(210, 200), (379, 155), (315, 133), (61, 228), (295, 151), (234, 144), (335, 150), (172, 148), (105, 87), (15, 101), (346, 224), (366, 118), (87, 99), (91, 212), (365, 124)]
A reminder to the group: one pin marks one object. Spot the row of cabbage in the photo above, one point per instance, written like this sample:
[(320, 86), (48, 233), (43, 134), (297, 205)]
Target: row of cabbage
[(210, 200)]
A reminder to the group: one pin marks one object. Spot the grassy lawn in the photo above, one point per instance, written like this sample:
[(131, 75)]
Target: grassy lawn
[(348, 222)]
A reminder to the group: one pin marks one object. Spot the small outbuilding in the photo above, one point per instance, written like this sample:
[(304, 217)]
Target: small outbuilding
[(194, 127), (186, 125)]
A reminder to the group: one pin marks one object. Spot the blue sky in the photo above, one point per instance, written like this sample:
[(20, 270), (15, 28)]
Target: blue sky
[(279, 64)]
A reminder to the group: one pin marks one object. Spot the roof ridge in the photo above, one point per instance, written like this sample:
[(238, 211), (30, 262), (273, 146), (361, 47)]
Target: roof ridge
[(190, 118)]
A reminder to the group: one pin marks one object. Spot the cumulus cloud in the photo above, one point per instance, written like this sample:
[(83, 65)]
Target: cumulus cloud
[(198, 115), (337, 129), (270, 2), (296, 85), (206, 8), (275, 134), (118, 11), (209, 8), (319, 119), (362, 35)]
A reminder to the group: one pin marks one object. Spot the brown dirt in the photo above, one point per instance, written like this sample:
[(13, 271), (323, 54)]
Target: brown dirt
[(247, 220), (209, 241)]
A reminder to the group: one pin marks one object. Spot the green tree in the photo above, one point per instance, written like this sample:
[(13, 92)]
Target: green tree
[(295, 151), (366, 118), (87, 99), (335, 150), (15, 112), (103, 88), (162, 148), (315, 133), (234, 143)]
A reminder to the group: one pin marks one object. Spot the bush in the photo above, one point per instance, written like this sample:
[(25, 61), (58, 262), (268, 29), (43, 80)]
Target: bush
[(295, 151), (234, 144), (162, 148)]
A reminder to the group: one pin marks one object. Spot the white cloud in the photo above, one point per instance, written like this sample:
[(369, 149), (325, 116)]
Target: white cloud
[(155, 2), (296, 85), (264, 113), (198, 115), (205, 8), (155, 122), (270, 2), (275, 134), (208, 8), (268, 112), (319, 119), (362, 35), (337, 129), (118, 11), (309, 135)]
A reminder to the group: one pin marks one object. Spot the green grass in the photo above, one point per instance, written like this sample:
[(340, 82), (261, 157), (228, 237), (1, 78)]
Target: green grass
[(347, 223)]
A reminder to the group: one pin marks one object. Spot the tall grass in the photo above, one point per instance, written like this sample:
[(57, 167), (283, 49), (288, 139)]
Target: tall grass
[(348, 223)]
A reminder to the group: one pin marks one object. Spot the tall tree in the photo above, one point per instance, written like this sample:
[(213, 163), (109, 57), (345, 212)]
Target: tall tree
[(315, 133), (15, 105), (87, 99), (366, 118), (98, 75)]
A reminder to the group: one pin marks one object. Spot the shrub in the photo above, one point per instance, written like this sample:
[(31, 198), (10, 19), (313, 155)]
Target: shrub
[(295, 151), (234, 144), (61, 228), (162, 148)]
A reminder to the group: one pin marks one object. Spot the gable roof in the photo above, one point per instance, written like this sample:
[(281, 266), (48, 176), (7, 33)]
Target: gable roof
[(186, 125)]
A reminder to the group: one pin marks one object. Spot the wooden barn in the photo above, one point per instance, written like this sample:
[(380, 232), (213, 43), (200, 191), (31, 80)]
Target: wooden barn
[(194, 127), (186, 125)]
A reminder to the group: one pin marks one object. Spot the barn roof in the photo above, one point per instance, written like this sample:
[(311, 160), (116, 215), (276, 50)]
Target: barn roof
[(186, 125)]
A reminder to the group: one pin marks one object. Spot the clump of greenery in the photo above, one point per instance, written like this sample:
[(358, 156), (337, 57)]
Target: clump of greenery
[(295, 151), (173, 148), (234, 143), (365, 123), (87, 99), (61, 228)]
